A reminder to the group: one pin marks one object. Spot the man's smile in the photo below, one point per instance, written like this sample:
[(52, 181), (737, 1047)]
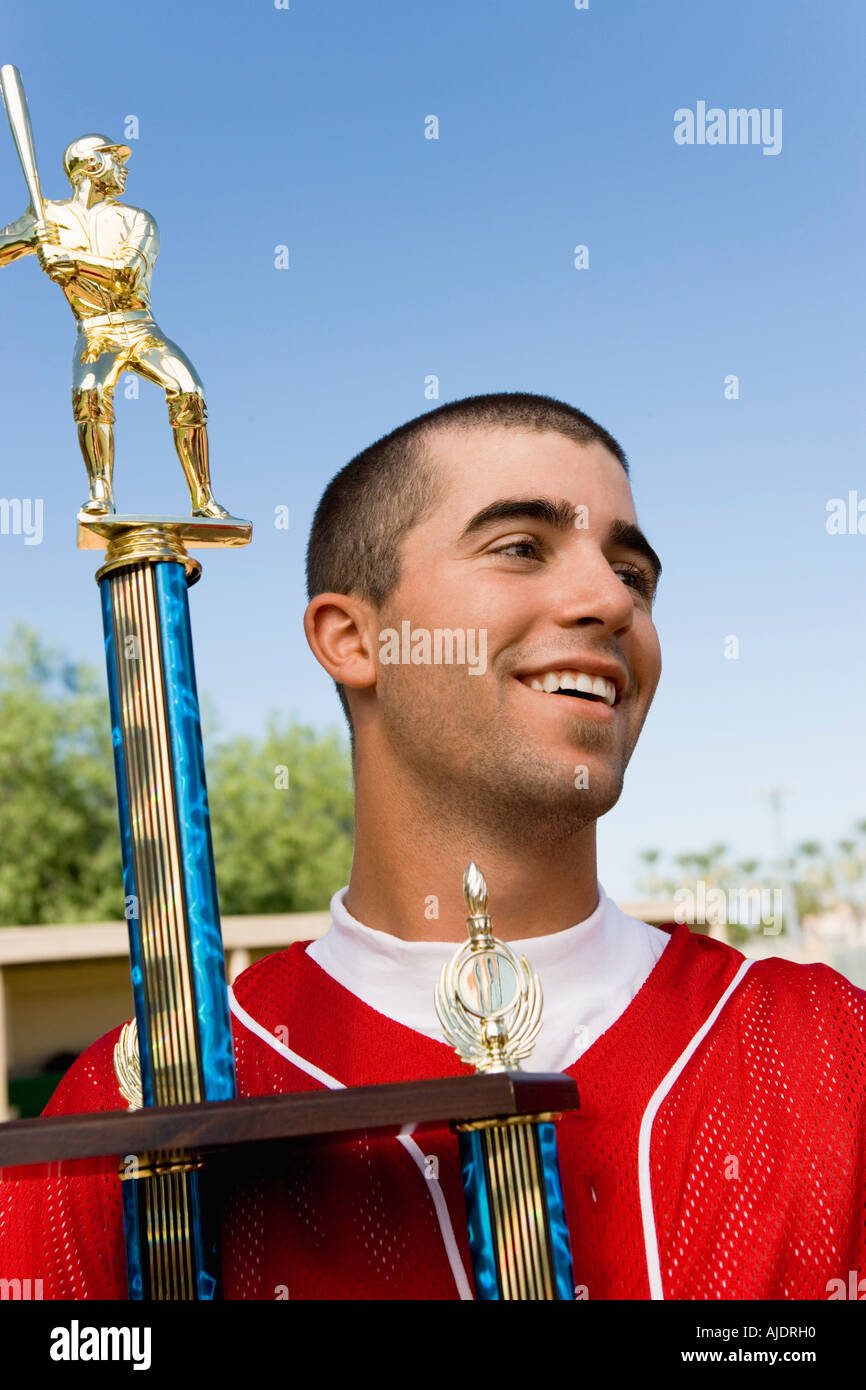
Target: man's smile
[(598, 684), (597, 696)]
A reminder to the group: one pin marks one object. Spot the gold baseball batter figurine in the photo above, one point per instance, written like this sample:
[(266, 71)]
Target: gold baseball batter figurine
[(102, 253)]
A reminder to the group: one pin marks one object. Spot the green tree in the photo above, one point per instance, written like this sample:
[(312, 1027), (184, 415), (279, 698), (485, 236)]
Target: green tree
[(59, 846), (282, 819), (281, 804)]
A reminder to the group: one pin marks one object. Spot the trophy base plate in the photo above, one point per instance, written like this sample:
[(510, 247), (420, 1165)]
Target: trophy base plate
[(193, 532)]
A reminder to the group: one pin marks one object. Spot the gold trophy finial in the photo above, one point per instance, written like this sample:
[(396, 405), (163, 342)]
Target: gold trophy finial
[(475, 890), (488, 1001), (475, 897)]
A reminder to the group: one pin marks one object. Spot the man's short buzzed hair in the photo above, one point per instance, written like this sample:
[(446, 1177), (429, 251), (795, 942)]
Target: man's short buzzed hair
[(367, 509)]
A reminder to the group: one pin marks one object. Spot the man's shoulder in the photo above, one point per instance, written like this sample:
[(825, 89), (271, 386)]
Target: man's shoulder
[(273, 970), (810, 985), (277, 987), (777, 976), (90, 1084), (806, 1005), (810, 998)]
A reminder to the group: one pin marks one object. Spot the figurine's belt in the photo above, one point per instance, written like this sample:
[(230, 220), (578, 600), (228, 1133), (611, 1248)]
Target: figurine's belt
[(119, 317)]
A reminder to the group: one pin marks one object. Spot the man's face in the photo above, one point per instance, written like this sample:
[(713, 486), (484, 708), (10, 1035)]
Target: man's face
[(534, 596)]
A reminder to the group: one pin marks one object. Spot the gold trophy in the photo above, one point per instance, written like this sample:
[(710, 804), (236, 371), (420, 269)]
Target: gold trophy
[(174, 1062), (488, 1001), (178, 1050), (489, 1004), (101, 252)]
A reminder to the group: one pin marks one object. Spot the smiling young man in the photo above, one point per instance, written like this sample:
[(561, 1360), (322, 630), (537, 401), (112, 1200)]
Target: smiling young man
[(528, 535), (718, 1152)]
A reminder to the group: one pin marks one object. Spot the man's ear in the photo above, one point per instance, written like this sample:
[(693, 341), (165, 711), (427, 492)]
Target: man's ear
[(339, 631)]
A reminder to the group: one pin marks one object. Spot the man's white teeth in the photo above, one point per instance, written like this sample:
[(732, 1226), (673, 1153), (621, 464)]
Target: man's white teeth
[(551, 681)]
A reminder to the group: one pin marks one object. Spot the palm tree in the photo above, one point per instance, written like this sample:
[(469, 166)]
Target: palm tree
[(652, 880)]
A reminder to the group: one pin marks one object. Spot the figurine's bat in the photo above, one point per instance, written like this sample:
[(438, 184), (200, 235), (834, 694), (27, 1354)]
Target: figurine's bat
[(15, 101)]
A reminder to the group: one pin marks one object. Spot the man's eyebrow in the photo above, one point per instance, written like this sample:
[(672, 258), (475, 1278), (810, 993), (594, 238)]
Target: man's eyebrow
[(554, 512), (560, 515)]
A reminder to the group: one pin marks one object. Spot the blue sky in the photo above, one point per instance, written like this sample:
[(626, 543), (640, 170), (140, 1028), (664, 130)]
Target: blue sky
[(305, 127)]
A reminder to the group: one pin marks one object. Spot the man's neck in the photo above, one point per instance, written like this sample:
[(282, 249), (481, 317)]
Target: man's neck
[(410, 856)]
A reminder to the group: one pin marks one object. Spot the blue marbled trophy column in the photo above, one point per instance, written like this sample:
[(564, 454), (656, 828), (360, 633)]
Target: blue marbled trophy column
[(176, 951), (518, 1233)]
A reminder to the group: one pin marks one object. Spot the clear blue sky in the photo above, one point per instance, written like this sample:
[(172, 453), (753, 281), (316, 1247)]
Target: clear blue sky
[(409, 256)]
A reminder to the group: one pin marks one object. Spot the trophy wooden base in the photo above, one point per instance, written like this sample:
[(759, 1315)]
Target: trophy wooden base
[(257, 1123), (178, 1158)]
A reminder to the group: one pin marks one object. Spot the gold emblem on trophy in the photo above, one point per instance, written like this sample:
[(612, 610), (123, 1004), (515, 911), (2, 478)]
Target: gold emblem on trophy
[(488, 1000), (127, 1065)]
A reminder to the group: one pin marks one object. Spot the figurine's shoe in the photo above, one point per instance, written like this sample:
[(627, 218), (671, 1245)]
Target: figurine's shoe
[(210, 508), (98, 506)]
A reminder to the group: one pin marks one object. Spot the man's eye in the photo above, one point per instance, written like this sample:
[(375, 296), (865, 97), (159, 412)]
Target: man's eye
[(637, 578), (642, 581), (517, 545)]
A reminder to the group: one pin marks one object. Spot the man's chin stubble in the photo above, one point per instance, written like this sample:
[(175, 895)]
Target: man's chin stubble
[(504, 795)]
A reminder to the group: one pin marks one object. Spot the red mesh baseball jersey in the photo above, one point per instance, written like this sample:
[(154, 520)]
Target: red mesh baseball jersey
[(718, 1152)]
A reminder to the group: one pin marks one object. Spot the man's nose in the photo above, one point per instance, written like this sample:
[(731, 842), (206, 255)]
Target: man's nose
[(591, 590)]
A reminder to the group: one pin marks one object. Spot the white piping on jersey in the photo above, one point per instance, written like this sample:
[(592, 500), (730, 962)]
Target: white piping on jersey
[(658, 1097), (440, 1205)]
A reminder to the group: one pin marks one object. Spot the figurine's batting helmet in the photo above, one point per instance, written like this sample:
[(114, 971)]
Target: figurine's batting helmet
[(82, 150)]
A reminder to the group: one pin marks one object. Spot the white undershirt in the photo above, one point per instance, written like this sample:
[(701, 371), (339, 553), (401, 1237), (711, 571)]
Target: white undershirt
[(589, 974)]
